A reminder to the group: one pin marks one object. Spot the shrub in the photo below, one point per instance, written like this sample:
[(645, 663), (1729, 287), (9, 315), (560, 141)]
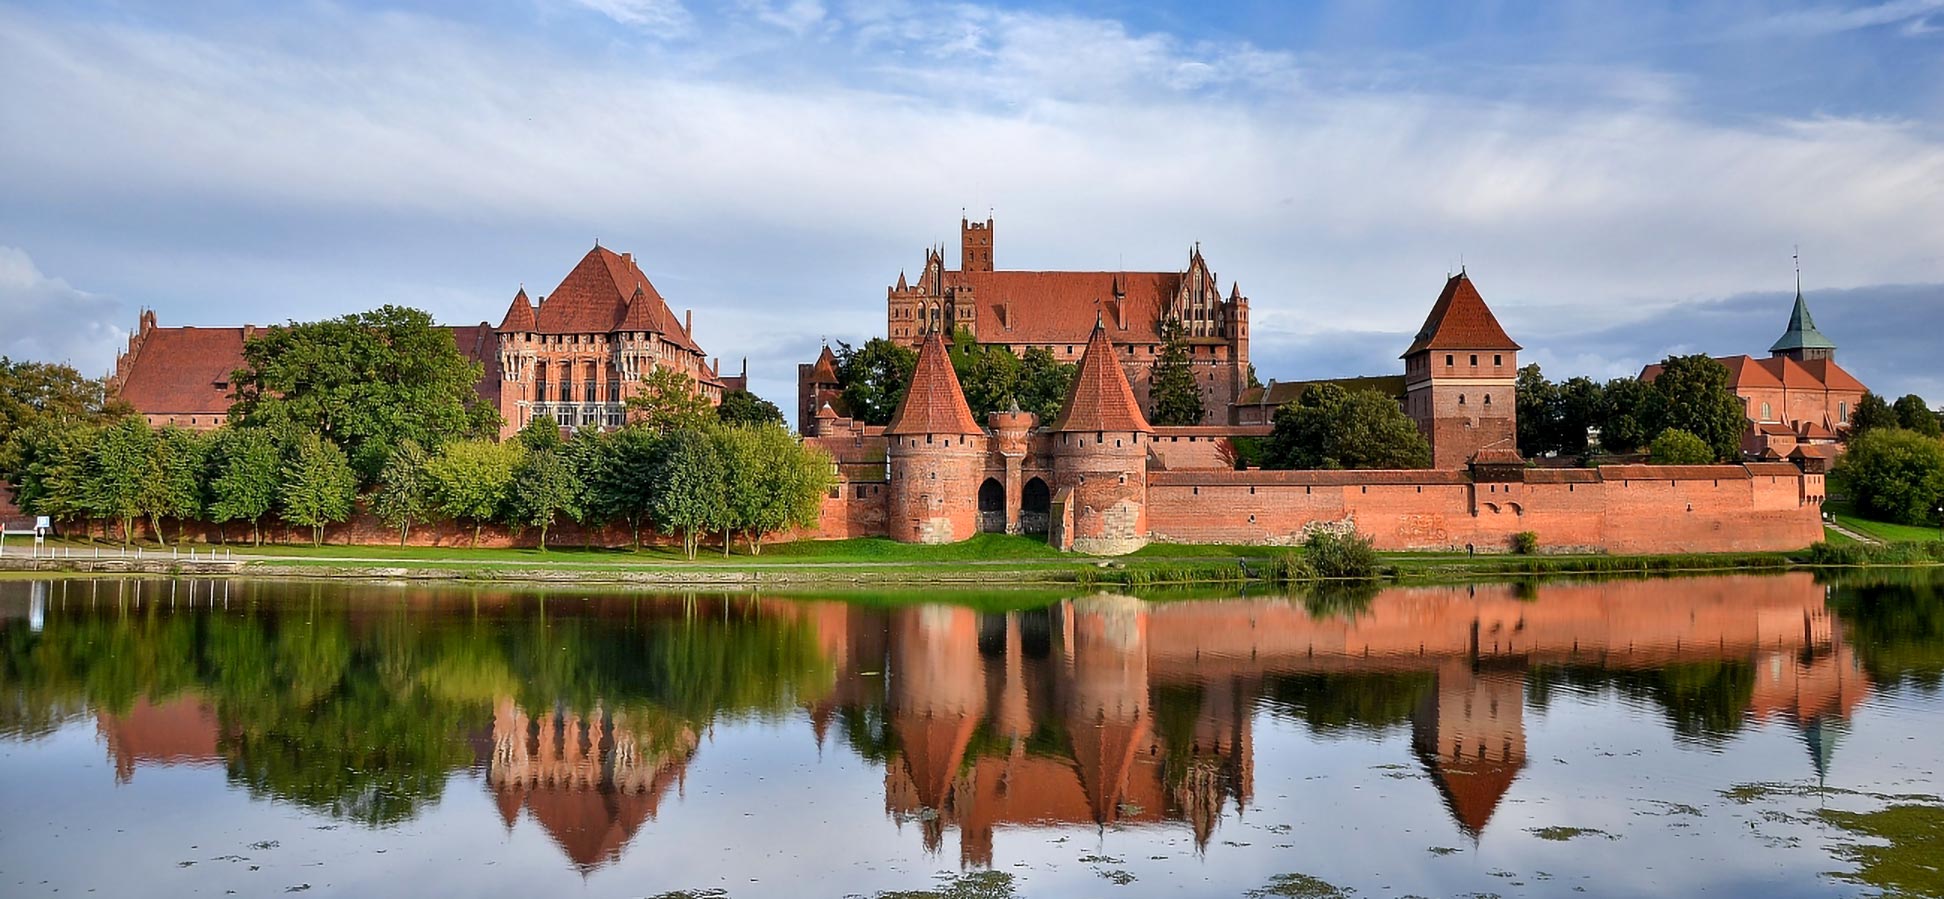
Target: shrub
[(1895, 475), (1525, 543), (1678, 447), (1346, 555)]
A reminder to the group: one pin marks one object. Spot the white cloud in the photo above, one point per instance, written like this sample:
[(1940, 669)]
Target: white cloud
[(668, 16), (49, 320), (1821, 20), (785, 205)]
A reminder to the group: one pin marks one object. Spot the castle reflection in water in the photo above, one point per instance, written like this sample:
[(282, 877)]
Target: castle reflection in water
[(1113, 711)]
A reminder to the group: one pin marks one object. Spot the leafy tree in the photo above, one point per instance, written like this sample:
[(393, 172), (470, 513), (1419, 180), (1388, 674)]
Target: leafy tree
[(1678, 447), (118, 469), (404, 493), (542, 433), (740, 407), (988, 375), (1699, 401), (669, 400), (1172, 388), (545, 487), (472, 480), (1894, 474), (1631, 412), (55, 464), (1913, 414), (174, 488), (874, 378), (245, 472), (1871, 413), (1538, 409), (1044, 382), (1581, 404), (319, 485), (1328, 427), (688, 497), (33, 394), (365, 382), (620, 477), (771, 482)]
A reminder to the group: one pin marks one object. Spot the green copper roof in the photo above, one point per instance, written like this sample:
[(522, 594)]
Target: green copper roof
[(1802, 333)]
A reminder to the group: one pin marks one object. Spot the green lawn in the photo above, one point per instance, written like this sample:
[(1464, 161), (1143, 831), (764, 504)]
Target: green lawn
[(1847, 516)]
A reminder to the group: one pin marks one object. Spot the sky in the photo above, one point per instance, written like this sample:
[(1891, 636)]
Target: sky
[(1622, 181)]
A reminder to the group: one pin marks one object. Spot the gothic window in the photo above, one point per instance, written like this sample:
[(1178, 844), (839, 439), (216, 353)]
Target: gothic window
[(1461, 399), (1766, 414), (1488, 399)]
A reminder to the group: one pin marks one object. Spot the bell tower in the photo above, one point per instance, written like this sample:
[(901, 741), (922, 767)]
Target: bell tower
[(975, 245)]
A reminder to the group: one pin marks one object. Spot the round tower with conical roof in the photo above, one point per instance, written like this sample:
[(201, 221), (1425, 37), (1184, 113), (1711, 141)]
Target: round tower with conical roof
[(1100, 447), (936, 451)]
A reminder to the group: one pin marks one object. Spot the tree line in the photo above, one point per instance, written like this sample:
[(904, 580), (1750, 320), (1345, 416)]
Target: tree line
[(378, 410)]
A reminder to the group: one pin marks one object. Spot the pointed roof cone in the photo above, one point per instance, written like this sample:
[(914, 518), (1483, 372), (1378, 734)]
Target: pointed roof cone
[(640, 314), (901, 281), (519, 315), (1802, 333), (1100, 399), (934, 403), (825, 371), (1461, 320)]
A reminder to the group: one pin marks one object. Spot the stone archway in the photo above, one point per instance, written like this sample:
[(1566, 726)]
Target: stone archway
[(1035, 501), (992, 507)]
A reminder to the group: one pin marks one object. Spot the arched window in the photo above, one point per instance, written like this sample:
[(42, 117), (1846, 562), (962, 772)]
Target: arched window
[(1842, 412), (1036, 497), (1766, 414), (1488, 399), (1461, 399)]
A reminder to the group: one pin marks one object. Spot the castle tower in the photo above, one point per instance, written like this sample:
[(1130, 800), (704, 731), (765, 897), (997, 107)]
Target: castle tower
[(1459, 378), (1470, 735), (517, 352), (937, 453), (1011, 433), (1802, 342), (817, 385), (975, 245), (1100, 447)]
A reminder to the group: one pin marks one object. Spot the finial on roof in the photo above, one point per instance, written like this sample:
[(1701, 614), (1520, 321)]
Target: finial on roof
[(1796, 254)]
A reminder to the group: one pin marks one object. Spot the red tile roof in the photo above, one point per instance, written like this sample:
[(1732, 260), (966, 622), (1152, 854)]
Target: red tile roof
[(480, 343), (1460, 320), (825, 371), (184, 370), (1778, 372), (1059, 307), (519, 316), (607, 292), (1832, 375), (1674, 472), (1100, 399), (1308, 478), (934, 403)]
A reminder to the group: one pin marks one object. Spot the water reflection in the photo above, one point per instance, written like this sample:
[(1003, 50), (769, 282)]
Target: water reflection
[(1104, 711)]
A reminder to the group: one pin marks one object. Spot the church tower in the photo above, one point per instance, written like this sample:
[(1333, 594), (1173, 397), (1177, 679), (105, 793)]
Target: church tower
[(975, 245), (1460, 378), (1802, 342)]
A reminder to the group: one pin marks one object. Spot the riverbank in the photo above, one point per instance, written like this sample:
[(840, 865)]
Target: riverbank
[(985, 560)]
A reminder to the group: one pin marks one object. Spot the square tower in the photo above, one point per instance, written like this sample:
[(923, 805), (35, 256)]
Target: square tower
[(1460, 378)]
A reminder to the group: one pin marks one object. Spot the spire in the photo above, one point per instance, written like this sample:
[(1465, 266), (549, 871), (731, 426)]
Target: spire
[(1100, 399), (934, 403), (519, 315), (1802, 333)]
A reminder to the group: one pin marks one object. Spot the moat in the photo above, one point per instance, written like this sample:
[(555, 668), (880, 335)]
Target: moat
[(1771, 736)]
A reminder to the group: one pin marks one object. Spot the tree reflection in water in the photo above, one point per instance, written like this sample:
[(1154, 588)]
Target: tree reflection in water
[(584, 711)]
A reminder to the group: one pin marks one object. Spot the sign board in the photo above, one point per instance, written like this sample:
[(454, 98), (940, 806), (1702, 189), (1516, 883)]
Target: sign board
[(42, 526)]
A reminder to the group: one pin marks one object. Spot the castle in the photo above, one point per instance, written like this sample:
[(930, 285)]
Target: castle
[(1022, 310), (1102, 479)]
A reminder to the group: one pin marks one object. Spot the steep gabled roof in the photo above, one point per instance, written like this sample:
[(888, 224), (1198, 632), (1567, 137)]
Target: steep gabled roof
[(1460, 320), (1802, 333), (825, 371), (184, 370), (934, 403), (519, 315), (606, 292), (1100, 399), (1052, 307)]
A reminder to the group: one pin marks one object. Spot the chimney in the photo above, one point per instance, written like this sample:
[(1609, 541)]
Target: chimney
[(249, 331), (688, 322), (627, 257)]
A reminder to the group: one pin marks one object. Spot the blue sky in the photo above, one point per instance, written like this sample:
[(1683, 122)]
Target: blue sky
[(1621, 180)]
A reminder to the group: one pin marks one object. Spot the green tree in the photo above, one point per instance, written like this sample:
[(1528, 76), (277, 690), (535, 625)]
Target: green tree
[(1913, 414), (1328, 427), (771, 482), (545, 487), (1172, 388), (1631, 412), (542, 433), (1538, 408), (1699, 401), (118, 469), (1044, 382), (472, 480), (404, 493), (1894, 474), (54, 477), (874, 378), (740, 407), (688, 497), (319, 485), (620, 477), (669, 400), (365, 382), (1871, 413), (245, 472), (1581, 400), (175, 487), (988, 375), (33, 394), (1677, 447)]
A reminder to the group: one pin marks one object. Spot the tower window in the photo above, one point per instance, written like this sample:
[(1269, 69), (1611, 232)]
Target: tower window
[(1474, 359), (1498, 360), (1448, 359), (1461, 399), (1488, 399)]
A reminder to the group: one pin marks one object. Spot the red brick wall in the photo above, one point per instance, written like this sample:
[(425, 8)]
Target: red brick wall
[(1108, 475), (934, 487)]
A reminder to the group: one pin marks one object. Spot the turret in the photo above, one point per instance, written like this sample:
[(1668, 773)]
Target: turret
[(1100, 447), (936, 452)]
